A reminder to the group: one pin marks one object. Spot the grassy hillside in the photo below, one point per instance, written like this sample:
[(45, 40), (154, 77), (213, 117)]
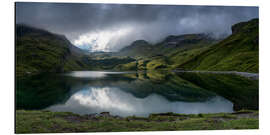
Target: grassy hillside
[(41, 51), (168, 54), (172, 59), (143, 49), (139, 48), (238, 52)]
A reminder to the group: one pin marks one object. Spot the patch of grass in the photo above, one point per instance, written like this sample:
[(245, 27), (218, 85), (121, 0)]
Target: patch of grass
[(244, 123), (127, 67), (142, 64), (59, 122), (157, 63)]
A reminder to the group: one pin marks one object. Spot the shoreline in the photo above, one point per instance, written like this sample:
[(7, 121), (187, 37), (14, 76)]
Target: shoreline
[(253, 76)]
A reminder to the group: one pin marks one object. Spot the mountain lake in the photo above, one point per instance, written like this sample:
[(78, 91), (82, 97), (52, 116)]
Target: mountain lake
[(138, 93)]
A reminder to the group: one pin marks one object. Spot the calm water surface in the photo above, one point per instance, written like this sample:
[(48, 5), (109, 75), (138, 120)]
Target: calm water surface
[(120, 93)]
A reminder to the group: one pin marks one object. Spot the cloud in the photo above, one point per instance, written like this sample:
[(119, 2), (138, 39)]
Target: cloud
[(110, 27), (104, 40)]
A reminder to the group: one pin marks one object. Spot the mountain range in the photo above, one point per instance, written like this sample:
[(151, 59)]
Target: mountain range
[(39, 51)]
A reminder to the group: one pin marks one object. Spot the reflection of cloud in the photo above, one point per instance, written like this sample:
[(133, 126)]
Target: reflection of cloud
[(92, 74), (117, 102), (87, 74), (102, 98)]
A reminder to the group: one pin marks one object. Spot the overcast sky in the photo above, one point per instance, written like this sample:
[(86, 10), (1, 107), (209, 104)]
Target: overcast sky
[(110, 27)]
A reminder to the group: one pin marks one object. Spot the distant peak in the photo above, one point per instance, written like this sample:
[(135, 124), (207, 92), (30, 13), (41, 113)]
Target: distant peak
[(186, 39), (139, 42)]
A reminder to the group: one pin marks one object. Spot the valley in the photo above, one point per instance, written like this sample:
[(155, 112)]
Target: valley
[(184, 82)]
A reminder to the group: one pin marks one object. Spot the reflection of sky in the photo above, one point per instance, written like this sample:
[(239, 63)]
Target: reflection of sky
[(118, 102), (92, 74)]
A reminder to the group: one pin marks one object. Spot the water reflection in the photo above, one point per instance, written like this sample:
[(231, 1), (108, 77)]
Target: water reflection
[(136, 93), (118, 102), (92, 74)]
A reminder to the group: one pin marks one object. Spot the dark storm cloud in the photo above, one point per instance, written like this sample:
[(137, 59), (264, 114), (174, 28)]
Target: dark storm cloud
[(149, 22)]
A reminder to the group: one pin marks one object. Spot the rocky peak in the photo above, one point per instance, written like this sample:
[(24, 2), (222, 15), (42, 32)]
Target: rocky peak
[(245, 26), (185, 39)]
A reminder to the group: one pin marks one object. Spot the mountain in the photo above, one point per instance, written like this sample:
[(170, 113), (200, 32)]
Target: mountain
[(186, 40), (141, 48), (167, 54), (238, 52), (138, 48), (38, 51)]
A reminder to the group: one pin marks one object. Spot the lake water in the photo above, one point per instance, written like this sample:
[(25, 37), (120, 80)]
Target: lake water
[(135, 93)]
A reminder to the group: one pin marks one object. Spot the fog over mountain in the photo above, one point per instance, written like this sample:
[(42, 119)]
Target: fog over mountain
[(110, 27)]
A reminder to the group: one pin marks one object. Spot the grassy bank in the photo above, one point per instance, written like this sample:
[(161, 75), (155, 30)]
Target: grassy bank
[(57, 122)]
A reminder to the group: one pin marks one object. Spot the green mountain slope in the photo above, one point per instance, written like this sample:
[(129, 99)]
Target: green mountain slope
[(105, 62), (41, 51), (139, 48), (238, 52), (171, 44), (168, 54)]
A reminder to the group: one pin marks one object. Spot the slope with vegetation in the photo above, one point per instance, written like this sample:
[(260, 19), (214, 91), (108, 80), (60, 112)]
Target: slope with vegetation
[(238, 52), (41, 51), (167, 54)]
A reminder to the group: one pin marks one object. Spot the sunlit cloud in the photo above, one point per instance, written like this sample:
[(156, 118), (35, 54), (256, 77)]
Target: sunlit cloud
[(102, 40)]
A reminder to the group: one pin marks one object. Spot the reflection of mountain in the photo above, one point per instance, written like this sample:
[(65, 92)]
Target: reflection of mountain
[(172, 87), (244, 93), (118, 102), (41, 91)]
